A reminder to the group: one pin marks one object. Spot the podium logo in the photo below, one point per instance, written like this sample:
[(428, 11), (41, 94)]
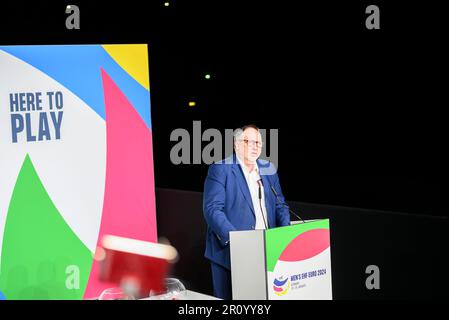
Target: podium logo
[(281, 285)]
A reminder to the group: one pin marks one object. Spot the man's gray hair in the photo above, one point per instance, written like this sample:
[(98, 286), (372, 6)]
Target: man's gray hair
[(238, 132)]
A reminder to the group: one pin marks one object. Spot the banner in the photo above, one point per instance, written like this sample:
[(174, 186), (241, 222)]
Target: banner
[(299, 262), (76, 163)]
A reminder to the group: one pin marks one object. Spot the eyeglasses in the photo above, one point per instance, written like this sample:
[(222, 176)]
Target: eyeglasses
[(252, 143)]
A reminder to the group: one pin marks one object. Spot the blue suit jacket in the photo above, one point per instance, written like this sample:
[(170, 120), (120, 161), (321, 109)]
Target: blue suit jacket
[(227, 206)]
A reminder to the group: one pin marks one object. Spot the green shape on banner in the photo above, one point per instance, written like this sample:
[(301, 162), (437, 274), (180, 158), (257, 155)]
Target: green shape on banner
[(42, 258), (277, 239)]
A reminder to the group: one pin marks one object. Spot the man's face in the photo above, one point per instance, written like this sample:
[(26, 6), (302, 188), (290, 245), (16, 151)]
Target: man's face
[(249, 145)]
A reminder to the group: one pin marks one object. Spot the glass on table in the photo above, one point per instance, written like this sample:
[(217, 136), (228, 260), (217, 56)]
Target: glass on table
[(174, 290)]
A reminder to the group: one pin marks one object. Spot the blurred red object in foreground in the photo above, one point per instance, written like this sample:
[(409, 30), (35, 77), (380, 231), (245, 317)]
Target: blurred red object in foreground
[(137, 266)]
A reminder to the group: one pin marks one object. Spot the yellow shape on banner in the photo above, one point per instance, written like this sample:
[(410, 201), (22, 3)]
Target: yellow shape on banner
[(133, 58)]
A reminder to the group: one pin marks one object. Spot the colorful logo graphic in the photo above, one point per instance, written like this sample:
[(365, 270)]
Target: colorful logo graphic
[(281, 285), (76, 163), (301, 254)]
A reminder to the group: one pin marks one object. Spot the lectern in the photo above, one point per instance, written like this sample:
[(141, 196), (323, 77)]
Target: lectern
[(286, 263)]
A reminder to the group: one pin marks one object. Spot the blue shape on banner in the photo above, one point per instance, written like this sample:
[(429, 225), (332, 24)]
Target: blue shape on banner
[(77, 67), (2, 297)]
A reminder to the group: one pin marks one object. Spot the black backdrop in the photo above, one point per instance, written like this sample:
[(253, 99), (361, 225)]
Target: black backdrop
[(409, 250), (359, 113)]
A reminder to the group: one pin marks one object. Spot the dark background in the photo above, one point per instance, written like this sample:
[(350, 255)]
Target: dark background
[(359, 111), (409, 249)]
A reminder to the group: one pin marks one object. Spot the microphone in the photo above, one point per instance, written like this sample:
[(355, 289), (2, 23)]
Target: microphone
[(284, 204), (260, 183)]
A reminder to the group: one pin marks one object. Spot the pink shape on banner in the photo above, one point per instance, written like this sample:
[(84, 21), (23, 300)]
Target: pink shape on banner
[(277, 289), (129, 202), (306, 245)]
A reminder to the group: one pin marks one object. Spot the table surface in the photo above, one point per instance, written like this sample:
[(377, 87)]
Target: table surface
[(192, 295)]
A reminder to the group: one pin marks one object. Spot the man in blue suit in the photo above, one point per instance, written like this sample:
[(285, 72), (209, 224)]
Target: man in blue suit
[(238, 196)]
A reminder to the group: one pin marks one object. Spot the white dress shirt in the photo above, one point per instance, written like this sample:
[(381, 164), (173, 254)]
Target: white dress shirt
[(252, 179)]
